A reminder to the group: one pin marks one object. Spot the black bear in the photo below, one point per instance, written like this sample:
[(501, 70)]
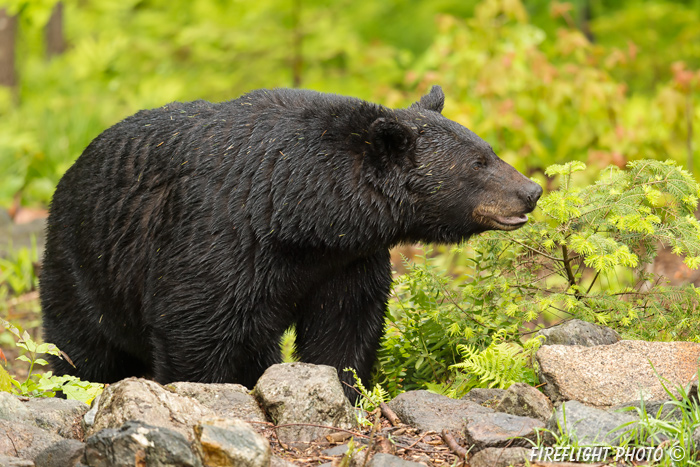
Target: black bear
[(186, 239)]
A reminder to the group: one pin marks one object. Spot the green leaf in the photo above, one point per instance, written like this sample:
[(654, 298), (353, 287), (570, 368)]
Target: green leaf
[(5, 380)]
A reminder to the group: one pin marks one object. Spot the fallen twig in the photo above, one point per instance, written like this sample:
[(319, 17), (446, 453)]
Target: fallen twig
[(453, 445), (420, 438), (390, 414)]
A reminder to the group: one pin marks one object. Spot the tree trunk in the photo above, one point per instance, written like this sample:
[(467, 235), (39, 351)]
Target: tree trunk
[(55, 41), (8, 29)]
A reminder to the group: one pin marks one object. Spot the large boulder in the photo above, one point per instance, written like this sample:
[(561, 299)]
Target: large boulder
[(608, 375), (428, 411), (498, 430), (225, 400), (230, 442), (24, 440), (136, 443), (149, 402), (589, 425), (60, 416), (578, 332), (525, 401), (304, 394)]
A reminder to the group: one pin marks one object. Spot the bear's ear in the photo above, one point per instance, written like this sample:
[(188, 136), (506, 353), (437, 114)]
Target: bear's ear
[(434, 100), (391, 141)]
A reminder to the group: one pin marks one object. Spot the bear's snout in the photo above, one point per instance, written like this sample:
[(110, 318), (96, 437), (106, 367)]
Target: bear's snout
[(530, 195)]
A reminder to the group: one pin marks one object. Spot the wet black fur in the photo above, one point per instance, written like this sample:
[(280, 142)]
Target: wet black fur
[(186, 239)]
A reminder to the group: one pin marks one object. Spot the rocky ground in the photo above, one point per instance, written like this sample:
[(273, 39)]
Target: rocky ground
[(297, 414)]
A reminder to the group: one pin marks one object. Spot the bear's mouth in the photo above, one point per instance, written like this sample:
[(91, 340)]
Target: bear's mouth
[(510, 222), (498, 222)]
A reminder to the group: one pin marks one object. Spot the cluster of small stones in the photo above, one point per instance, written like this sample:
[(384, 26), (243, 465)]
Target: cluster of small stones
[(590, 376)]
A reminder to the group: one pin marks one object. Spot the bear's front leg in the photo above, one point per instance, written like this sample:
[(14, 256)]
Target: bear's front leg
[(342, 319)]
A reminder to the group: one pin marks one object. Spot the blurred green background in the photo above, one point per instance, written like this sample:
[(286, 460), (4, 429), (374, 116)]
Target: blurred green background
[(602, 81)]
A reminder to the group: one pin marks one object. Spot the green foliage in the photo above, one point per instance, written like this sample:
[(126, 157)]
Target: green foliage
[(288, 345), (353, 449), (437, 339), (44, 385), (584, 255), (17, 269), (498, 365), (587, 256), (520, 74), (368, 401), (426, 324)]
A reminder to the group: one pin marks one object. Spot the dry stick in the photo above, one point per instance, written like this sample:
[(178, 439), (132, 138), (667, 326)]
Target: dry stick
[(452, 444), (430, 432), (390, 414)]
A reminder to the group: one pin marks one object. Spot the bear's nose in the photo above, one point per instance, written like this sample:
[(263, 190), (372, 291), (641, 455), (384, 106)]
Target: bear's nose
[(532, 194)]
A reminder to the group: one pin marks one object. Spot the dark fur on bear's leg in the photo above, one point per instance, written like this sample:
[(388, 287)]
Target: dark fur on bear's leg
[(79, 335), (186, 239), (342, 319)]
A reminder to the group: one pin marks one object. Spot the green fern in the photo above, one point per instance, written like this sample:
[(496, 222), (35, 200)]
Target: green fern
[(497, 366)]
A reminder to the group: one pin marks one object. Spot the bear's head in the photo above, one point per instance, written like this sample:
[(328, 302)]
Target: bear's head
[(456, 185)]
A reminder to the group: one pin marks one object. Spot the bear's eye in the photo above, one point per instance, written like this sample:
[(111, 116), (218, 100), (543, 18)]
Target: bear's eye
[(477, 165)]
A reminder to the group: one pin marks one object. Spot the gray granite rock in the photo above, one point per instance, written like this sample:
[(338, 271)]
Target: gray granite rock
[(304, 393), (578, 332), (524, 400), (60, 416), (428, 411), (231, 442), (149, 402), (23, 440), (11, 461), (224, 400), (497, 430), (65, 453), (14, 410), (387, 460), (661, 409), (499, 457), (589, 425), (608, 375), (338, 450), (136, 443), (487, 397)]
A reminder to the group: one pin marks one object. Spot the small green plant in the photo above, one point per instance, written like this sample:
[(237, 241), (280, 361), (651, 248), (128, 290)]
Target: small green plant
[(47, 384), (353, 450), (288, 345), (369, 401)]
